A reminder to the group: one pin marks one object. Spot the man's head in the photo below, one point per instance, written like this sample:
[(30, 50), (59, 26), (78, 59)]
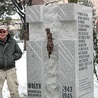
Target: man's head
[(3, 31)]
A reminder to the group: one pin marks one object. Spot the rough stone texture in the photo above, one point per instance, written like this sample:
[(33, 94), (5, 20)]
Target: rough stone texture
[(66, 73), (33, 14), (35, 70)]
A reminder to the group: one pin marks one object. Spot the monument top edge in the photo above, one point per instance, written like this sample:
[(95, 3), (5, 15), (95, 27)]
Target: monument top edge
[(67, 4)]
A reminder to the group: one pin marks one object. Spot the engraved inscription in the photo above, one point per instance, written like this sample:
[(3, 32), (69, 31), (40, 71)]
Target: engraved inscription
[(83, 37), (34, 89)]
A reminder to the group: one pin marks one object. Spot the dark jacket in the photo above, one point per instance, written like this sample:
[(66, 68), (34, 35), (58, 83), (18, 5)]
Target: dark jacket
[(9, 53)]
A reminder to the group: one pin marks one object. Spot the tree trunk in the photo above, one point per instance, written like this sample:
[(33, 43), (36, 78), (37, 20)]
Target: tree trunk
[(72, 1)]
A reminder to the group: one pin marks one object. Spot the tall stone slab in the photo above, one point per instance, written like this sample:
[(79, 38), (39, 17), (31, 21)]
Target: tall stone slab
[(75, 56), (69, 71), (34, 69)]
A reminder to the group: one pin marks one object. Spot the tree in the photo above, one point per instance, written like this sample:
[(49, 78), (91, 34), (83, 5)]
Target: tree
[(6, 9), (72, 1), (85, 2), (95, 42), (20, 9), (7, 20)]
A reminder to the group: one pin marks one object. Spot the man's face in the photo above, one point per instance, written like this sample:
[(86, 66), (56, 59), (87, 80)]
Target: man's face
[(3, 32)]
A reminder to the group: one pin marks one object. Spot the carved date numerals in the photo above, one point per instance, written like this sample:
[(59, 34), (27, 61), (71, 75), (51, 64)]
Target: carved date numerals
[(67, 92)]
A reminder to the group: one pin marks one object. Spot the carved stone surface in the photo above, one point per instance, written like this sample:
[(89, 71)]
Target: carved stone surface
[(33, 13), (34, 71), (69, 71)]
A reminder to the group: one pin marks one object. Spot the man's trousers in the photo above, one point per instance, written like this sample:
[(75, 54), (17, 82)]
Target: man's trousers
[(11, 77)]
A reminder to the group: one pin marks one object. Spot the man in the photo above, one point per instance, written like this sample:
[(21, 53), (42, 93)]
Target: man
[(9, 53)]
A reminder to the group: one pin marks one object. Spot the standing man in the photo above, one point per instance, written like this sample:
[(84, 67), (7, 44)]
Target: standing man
[(9, 53)]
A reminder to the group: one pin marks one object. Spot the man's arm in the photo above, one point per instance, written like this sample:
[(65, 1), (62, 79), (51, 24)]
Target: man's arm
[(18, 52)]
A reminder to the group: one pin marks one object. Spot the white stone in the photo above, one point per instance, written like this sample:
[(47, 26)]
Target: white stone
[(69, 71)]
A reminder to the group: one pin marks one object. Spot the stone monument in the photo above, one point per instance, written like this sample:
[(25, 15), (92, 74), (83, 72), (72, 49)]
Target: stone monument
[(68, 72)]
